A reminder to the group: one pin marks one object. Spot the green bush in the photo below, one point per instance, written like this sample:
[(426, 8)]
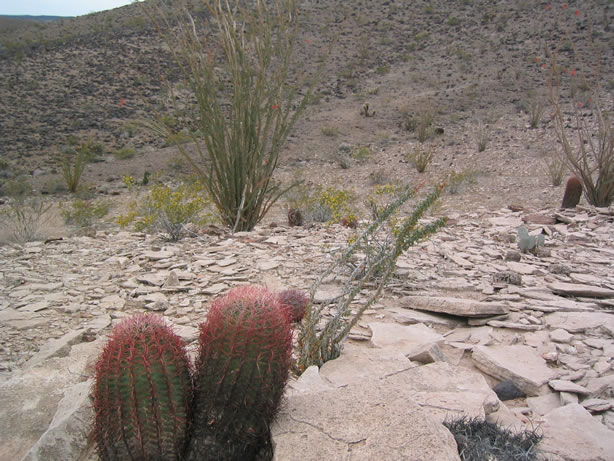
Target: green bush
[(169, 210), (73, 161), (124, 153), (82, 213), (420, 157), (26, 213), (246, 103)]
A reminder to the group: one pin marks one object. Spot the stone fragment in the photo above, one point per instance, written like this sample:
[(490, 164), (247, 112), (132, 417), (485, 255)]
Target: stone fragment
[(523, 365), (507, 277), (372, 419), (67, 437), (513, 325), (35, 307), (561, 336), (358, 363), (454, 306), (112, 302), (427, 353), (310, 381), (521, 268), (544, 403), (597, 405), (507, 390), (155, 279), (602, 387), (577, 289), (408, 339), (406, 316), (562, 385), (59, 347), (158, 255), (172, 280), (214, 289), (571, 433), (581, 322)]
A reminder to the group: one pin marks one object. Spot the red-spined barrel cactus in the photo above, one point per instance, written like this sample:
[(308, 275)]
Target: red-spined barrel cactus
[(295, 302), (241, 371), (573, 193), (142, 392)]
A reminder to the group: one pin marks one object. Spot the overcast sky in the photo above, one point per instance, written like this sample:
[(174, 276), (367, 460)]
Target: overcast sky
[(57, 7)]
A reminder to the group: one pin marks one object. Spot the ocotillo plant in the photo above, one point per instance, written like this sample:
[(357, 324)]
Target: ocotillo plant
[(142, 393), (241, 371)]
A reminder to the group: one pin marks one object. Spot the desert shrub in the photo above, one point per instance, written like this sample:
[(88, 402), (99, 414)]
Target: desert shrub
[(480, 440), (556, 169), (246, 103), (82, 213), (73, 161), (420, 157), (169, 210), (124, 153), (361, 154), (26, 213), (320, 204), (482, 136), (457, 179), (331, 131), (535, 109), (591, 155), (373, 251)]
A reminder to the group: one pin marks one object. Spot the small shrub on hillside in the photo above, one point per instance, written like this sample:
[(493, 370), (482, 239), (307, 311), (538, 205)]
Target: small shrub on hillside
[(325, 205), (482, 136), (361, 154), (170, 210), (82, 213), (420, 157), (124, 153), (457, 179), (556, 170), (73, 161), (26, 213), (331, 131)]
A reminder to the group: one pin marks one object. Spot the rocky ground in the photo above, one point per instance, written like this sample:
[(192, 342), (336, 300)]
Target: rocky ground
[(465, 300), (469, 324)]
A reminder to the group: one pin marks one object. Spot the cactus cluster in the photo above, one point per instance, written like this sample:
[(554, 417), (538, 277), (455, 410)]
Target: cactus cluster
[(151, 404)]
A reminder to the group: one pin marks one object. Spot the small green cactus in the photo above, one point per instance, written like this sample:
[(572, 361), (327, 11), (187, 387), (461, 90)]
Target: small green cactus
[(529, 243)]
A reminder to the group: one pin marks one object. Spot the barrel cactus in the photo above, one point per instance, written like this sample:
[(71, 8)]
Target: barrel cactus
[(240, 375), (295, 302), (142, 392)]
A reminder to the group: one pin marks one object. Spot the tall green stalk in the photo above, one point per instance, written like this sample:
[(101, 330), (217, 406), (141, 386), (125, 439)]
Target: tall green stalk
[(245, 103)]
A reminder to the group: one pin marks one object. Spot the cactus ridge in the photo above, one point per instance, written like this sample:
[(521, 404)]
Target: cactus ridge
[(241, 372), (142, 392)]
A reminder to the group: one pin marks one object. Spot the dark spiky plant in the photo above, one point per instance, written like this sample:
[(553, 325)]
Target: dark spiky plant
[(296, 302), (142, 392), (241, 372)]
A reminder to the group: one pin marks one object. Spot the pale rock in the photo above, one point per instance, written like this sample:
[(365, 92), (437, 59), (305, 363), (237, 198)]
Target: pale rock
[(158, 255), (544, 403), (521, 364), (561, 336), (577, 289), (581, 322), (358, 363), (585, 439), (187, 333), (327, 293), (602, 367), (504, 417), (267, 265), (59, 347), (310, 381), (586, 279), (513, 325), (99, 323), (214, 289), (567, 398), (454, 284), (226, 262), (521, 268), (373, 419), (112, 302), (597, 405), (155, 279), (410, 316), (408, 339), (602, 387), (454, 306), (67, 437), (172, 280)]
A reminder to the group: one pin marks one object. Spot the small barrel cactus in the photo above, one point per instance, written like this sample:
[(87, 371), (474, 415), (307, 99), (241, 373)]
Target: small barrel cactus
[(142, 392), (573, 193), (295, 302), (240, 375)]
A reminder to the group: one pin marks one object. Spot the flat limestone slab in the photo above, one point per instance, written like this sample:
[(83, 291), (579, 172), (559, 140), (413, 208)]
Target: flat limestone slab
[(580, 322), (523, 365), (407, 339), (579, 289), (371, 420), (455, 306), (571, 433)]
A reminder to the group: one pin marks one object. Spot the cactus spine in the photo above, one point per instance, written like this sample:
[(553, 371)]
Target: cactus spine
[(142, 393), (295, 302), (241, 371)]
